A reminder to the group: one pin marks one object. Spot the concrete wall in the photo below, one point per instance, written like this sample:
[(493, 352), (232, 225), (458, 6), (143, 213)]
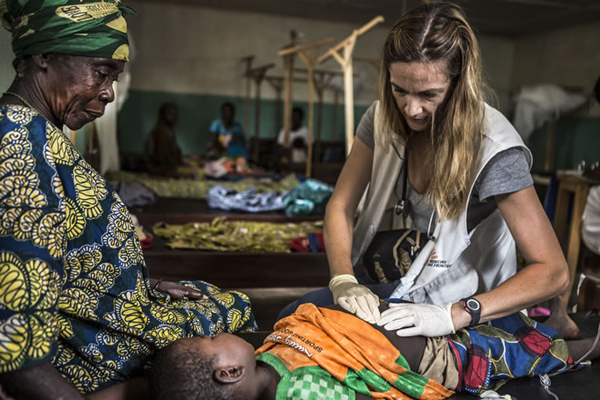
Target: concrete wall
[(187, 49), (566, 57), (498, 58), (191, 55)]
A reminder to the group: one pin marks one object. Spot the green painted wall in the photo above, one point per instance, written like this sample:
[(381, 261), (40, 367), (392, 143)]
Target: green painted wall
[(577, 138), (196, 112), (7, 72)]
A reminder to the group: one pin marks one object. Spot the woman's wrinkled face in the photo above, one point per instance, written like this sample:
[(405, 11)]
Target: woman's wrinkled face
[(419, 88), (80, 88)]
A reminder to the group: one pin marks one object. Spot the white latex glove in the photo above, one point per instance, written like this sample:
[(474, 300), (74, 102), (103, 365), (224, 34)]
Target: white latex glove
[(409, 319), (354, 297)]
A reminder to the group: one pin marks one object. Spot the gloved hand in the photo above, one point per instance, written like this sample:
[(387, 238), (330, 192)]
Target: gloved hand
[(409, 319), (354, 297)]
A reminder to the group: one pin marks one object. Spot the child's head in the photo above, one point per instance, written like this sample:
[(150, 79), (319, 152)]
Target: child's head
[(203, 368)]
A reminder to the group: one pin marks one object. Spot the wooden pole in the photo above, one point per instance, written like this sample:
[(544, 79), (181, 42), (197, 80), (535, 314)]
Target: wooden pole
[(256, 122), (302, 47), (288, 63), (345, 62), (336, 105), (322, 80), (319, 125), (248, 64), (309, 54), (349, 94), (309, 65), (277, 85), (288, 66), (258, 75)]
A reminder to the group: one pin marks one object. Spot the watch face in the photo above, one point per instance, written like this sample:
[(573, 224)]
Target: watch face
[(473, 304)]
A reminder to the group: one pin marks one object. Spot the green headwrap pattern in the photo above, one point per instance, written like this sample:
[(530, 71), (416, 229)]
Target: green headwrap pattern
[(76, 27)]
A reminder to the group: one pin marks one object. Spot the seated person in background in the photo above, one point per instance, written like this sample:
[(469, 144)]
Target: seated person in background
[(298, 154), (163, 154), (590, 230), (227, 136), (587, 277), (297, 129), (298, 138), (334, 353)]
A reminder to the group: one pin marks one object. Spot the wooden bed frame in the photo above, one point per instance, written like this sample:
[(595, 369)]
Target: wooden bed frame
[(228, 269), (173, 210), (237, 269)]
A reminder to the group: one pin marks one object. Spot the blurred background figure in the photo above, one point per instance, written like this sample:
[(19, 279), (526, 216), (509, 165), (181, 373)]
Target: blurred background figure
[(227, 135), (163, 154), (298, 139)]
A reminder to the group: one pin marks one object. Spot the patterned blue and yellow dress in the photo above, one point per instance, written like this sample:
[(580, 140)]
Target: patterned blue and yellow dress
[(74, 288)]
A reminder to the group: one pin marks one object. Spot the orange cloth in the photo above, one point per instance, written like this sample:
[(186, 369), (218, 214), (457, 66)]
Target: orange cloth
[(339, 342)]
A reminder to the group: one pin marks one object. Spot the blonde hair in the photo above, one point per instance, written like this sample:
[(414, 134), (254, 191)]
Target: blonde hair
[(439, 33)]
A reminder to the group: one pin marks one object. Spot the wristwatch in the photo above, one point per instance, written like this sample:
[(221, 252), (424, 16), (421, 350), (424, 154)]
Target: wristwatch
[(473, 307)]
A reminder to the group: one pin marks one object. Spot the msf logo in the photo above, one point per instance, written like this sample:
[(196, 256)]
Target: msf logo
[(435, 262)]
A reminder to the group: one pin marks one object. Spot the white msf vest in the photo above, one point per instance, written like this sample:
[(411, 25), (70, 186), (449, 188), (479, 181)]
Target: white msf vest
[(455, 263)]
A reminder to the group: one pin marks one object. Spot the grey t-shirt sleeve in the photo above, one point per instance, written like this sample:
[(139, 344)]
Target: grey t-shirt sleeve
[(365, 130), (507, 172)]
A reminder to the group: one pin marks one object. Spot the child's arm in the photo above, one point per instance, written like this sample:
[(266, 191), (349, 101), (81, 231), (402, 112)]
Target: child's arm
[(39, 382), (133, 389)]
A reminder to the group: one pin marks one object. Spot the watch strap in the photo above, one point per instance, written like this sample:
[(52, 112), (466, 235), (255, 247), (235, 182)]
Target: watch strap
[(473, 307)]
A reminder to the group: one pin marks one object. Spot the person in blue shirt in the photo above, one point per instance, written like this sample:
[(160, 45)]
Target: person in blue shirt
[(227, 136)]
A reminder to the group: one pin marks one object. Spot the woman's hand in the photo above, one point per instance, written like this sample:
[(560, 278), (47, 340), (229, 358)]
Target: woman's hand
[(355, 298), (176, 290), (409, 319)]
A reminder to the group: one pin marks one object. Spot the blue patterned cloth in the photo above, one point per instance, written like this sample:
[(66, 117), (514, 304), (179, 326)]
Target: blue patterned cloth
[(511, 347), (250, 200), (74, 288)]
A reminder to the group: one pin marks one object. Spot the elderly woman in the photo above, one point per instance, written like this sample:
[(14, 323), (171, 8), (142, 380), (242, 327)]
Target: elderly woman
[(78, 311)]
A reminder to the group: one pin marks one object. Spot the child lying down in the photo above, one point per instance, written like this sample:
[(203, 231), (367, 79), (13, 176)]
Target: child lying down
[(321, 353)]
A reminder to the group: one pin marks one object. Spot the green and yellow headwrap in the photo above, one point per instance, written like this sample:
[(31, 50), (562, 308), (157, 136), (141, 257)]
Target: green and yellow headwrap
[(76, 27)]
